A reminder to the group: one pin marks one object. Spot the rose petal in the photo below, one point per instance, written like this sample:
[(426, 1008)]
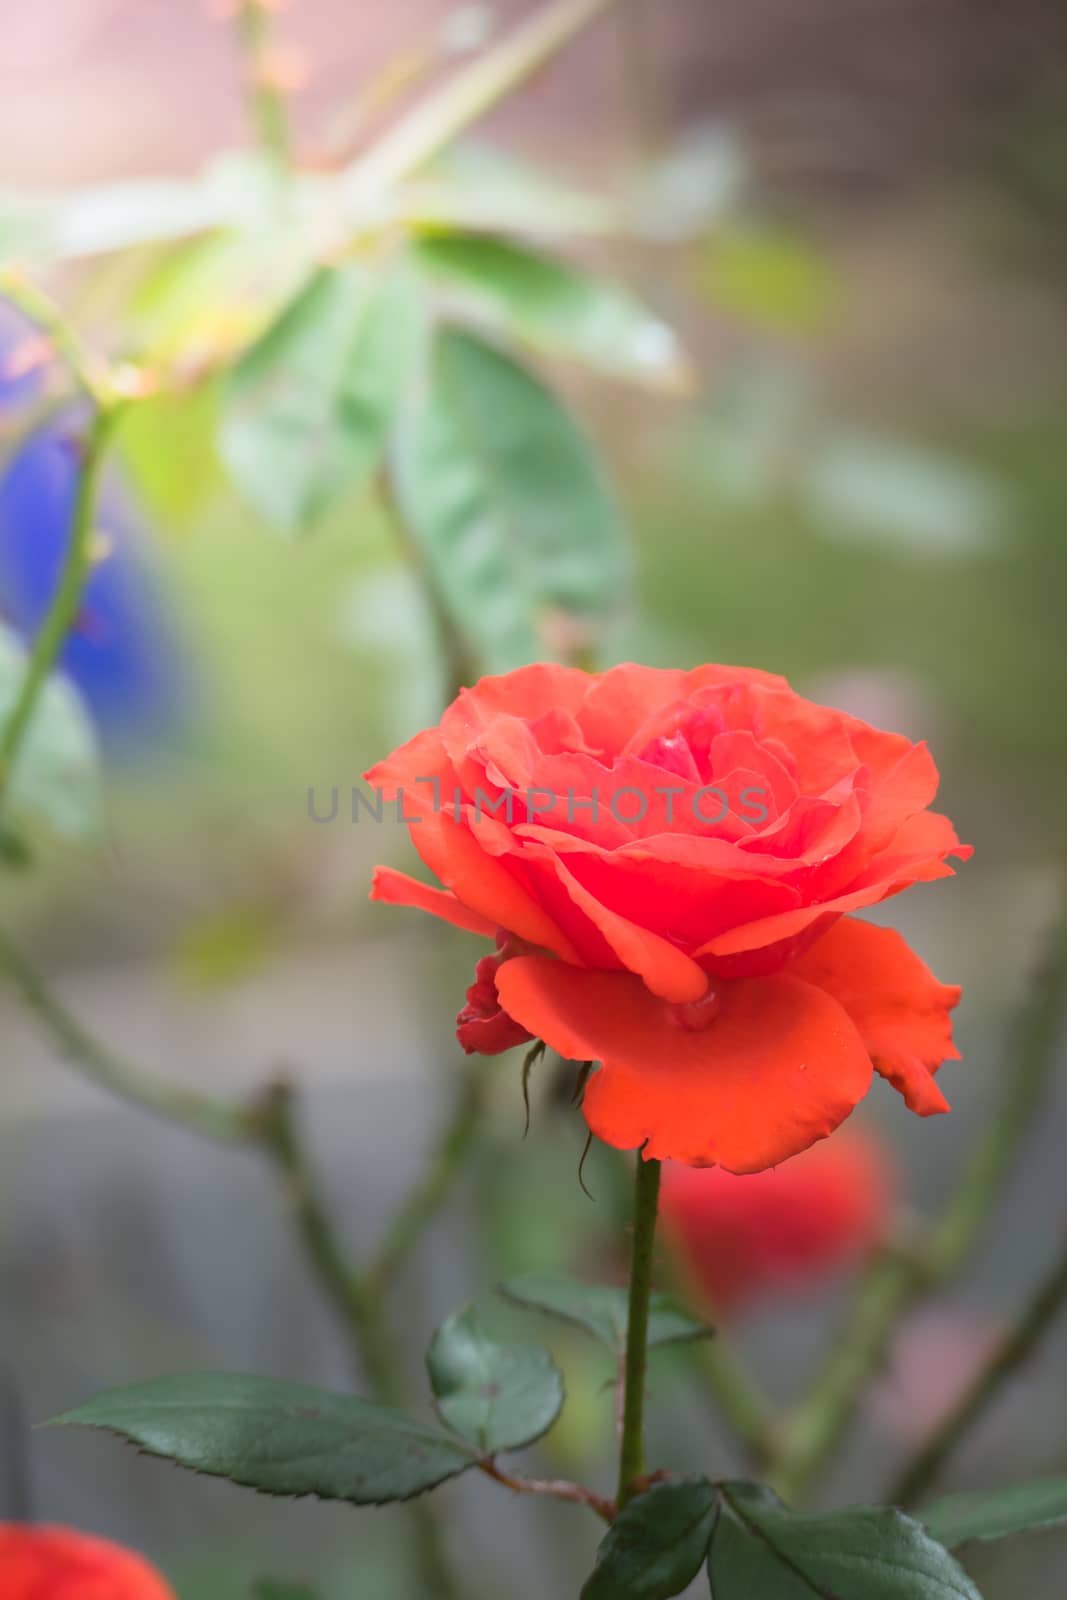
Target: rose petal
[(53, 1563), (420, 758), (622, 700), (669, 898), (485, 884), (483, 1027), (397, 889), (779, 1065), (915, 856), (741, 748), (900, 1009), (665, 969), (527, 693)]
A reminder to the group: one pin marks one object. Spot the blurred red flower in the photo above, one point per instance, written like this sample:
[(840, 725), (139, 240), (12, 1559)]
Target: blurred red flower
[(483, 1027), (62, 1564), (678, 851), (741, 1237)]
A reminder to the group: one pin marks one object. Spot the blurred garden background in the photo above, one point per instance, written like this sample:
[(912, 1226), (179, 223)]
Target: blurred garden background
[(814, 324)]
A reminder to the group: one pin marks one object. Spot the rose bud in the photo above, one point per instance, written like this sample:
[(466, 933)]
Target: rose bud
[(483, 1027)]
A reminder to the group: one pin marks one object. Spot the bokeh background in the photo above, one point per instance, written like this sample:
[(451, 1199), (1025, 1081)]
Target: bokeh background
[(861, 227)]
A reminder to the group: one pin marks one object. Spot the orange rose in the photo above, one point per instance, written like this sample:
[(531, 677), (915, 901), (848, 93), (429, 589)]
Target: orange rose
[(668, 858), (60, 1564), (741, 1237)]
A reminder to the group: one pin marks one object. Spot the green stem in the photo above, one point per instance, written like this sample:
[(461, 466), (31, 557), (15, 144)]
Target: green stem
[(552, 1488), (372, 1349), (271, 1123), (632, 1443), (739, 1398), (898, 1278), (45, 315), (457, 658), (213, 1118), (269, 113), (1031, 1055), (467, 96), (63, 611), (357, 1303), (275, 1123), (1011, 1354), (810, 1434)]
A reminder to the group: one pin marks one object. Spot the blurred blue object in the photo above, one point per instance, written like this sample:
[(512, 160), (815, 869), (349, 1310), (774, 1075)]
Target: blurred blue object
[(122, 653)]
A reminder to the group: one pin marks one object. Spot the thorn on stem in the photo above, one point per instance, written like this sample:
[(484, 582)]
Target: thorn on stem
[(533, 1055), (581, 1166), (584, 1069)]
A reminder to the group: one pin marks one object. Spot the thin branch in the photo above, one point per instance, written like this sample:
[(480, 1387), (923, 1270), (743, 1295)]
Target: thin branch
[(397, 77), (66, 602), (269, 1122), (274, 1123), (215, 1119), (456, 655), (109, 390), (740, 1399), (355, 1300), (1030, 1058), (808, 1436), (552, 1488), (88, 372), (902, 1275), (1012, 1353), (466, 97), (270, 115)]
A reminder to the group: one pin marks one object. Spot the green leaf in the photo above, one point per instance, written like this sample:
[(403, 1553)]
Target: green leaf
[(656, 1546), (868, 490), (506, 502), (167, 443), (997, 1513), (475, 185), (693, 188), (309, 405), (601, 1310), (239, 190), (759, 1548), (555, 307), (279, 1438), (56, 774), (205, 299), (500, 1397)]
